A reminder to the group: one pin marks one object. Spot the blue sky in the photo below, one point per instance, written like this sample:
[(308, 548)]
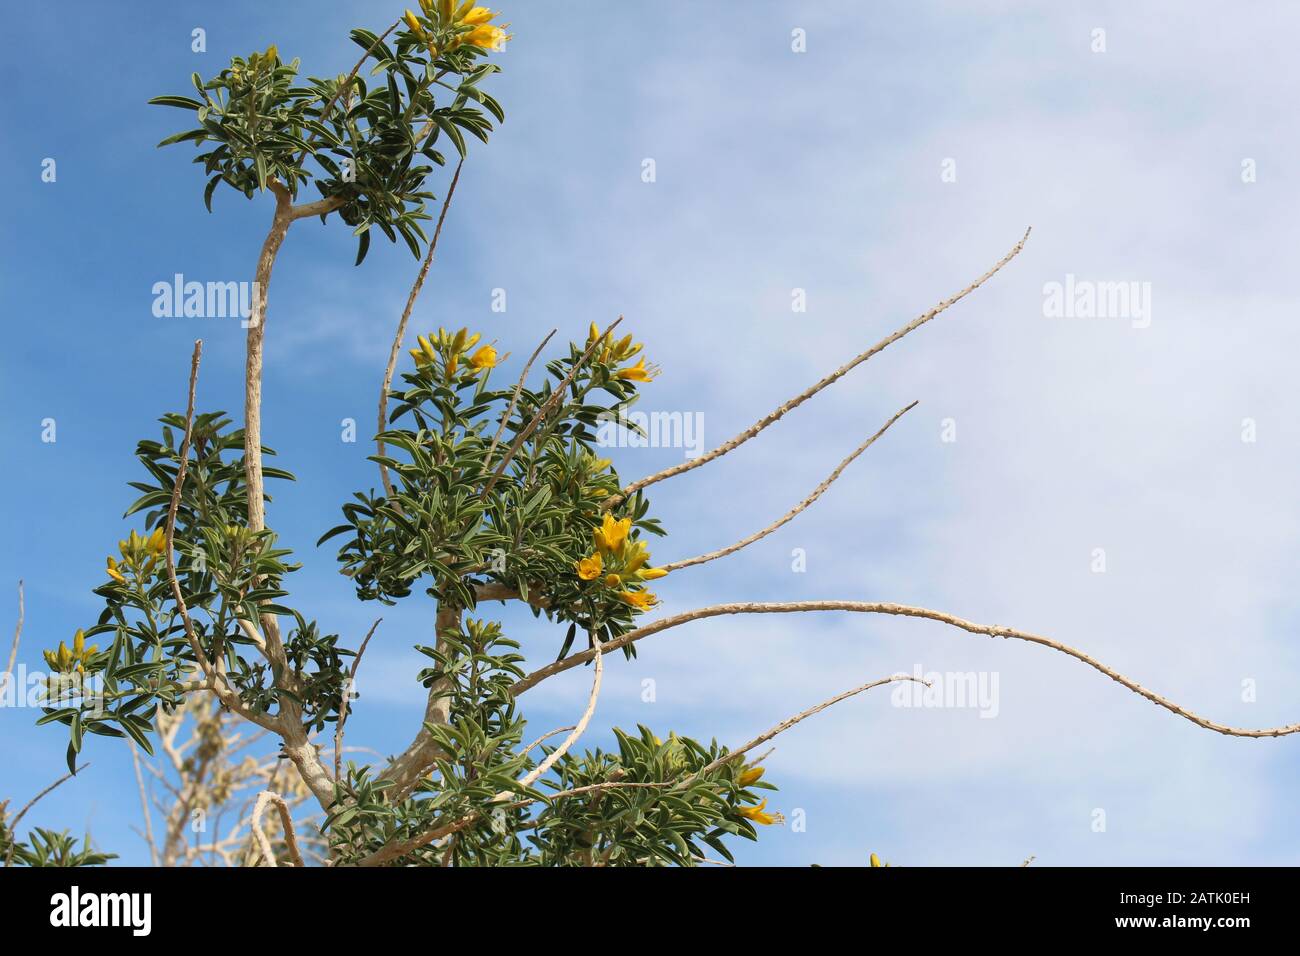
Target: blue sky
[(775, 171)]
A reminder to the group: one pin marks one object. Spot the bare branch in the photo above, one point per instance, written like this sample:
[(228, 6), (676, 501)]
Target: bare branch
[(144, 805), (344, 708), (395, 851), (789, 722), (13, 824), (830, 379), (407, 767), (545, 737), (251, 632), (215, 681), (514, 399), (280, 223), (286, 823), (401, 326), (532, 776), (321, 207), (902, 610), (347, 82), (8, 675), (183, 463), (789, 516)]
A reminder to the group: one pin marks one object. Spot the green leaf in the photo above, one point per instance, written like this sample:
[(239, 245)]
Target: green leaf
[(183, 102), (137, 735), (194, 134), (207, 193)]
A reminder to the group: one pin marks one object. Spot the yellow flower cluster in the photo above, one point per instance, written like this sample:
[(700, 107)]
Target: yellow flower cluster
[(139, 554), (620, 563), (65, 659), (610, 352), (748, 776), (455, 24), (454, 349)]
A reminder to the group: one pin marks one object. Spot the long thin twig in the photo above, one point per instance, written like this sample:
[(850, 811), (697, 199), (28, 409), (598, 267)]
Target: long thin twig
[(144, 805), (902, 610), (545, 737), (286, 823), (183, 463), (395, 851), (347, 83), (514, 399), (803, 715), (812, 390), (8, 675), (790, 515), (546, 407), (215, 680), (401, 327), (533, 775), (13, 824), (345, 707)]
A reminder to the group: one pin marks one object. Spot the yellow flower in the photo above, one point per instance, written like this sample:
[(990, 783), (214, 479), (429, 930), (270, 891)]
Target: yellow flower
[(875, 861), (485, 36), (758, 816), (749, 775), (413, 22), (637, 556), (477, 15), (272, 52), (612, 580), (426, 353), (625, 349), (611, 534), (486, 357), (589, 568), (158, 541), (641, 600), (651, 574), (640, 372), (113, 572)]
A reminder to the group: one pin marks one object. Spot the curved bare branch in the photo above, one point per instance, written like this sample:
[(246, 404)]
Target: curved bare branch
[(803, 715), (901, 610), (790, 515), (535, 774), (808, 393)]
